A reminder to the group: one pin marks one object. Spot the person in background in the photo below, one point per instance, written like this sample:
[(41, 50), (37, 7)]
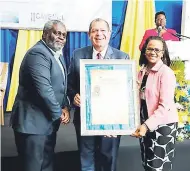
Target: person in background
[(41, 103), (96, 152), (3, 84), (160, 30), (158, 112)]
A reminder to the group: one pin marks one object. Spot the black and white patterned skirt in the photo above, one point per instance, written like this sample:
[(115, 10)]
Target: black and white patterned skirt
[(157, 148)]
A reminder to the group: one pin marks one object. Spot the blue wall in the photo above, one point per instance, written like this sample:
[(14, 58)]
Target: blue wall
[(173, 10)]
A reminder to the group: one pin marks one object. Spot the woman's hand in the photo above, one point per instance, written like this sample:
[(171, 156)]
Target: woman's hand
[(140, 131)]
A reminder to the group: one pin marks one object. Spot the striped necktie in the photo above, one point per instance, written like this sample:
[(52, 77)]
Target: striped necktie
[(99, 56)]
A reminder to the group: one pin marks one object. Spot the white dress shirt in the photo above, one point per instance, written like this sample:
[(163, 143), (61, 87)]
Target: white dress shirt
[(95, 52)]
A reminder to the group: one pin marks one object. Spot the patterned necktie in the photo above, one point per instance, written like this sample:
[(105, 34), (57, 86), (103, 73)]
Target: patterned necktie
[(99, 56)]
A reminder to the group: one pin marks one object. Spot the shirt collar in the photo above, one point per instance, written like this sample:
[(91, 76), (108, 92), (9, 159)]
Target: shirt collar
[(156, 67), (103, 53)]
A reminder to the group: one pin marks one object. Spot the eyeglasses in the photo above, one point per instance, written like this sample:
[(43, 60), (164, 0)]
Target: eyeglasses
[(156, 50), (59, 34)]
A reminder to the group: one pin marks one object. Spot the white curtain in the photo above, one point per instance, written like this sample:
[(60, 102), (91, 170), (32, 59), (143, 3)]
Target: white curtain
[(185, 23), (185, 30)]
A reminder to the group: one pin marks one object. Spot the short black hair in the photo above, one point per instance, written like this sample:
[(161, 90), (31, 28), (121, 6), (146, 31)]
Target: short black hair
[(165, 58), (158, 13)]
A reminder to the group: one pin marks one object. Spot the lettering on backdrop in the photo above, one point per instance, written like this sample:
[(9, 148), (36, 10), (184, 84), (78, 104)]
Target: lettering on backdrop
[(36, 16)]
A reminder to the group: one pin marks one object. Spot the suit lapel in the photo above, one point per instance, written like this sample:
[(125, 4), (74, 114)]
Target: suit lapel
[(64, 66), (109, 53), (62, 62), (89, 52)]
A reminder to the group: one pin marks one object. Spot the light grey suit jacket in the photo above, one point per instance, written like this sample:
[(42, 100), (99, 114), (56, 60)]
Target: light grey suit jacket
[(74, 70)]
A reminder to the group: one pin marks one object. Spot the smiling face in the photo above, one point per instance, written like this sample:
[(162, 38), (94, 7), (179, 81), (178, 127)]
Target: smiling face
[(154, 52), (99, 35), (55, 38)]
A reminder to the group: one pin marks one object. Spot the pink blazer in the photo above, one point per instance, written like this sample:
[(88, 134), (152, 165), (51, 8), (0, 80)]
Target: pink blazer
[(152, 32), (159, 94)]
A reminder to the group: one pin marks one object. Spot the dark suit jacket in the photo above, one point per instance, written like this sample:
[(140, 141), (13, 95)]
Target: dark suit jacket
[(74, 70), (41, 93)]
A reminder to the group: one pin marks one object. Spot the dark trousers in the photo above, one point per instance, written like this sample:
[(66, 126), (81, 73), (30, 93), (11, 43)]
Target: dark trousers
[(97, 153), (36, 152)]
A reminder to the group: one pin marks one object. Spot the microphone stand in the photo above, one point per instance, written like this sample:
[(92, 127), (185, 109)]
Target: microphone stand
[(178, 35)]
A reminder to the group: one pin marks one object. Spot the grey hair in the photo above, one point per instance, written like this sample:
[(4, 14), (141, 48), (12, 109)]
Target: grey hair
[(97, 20), (49, 25)]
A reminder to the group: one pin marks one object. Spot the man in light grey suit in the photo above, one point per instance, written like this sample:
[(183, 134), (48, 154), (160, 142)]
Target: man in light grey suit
[(96, 152), (41, 103)]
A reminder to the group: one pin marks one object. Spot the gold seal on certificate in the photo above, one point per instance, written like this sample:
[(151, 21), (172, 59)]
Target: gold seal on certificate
[(96, 90)]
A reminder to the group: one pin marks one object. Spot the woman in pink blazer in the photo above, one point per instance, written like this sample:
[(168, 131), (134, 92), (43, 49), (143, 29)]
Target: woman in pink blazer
[(158, 113)]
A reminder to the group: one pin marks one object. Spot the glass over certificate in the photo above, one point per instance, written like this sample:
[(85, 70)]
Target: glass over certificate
[(109, 103)]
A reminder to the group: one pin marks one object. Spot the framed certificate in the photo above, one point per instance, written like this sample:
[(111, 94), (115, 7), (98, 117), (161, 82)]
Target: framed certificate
[(109, 98)]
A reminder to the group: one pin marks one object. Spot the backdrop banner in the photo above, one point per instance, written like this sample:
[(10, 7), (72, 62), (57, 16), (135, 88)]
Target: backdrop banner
[(32, 14)]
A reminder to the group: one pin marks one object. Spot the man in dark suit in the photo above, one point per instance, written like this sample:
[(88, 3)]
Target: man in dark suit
[(96, 152), (41, 102)]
